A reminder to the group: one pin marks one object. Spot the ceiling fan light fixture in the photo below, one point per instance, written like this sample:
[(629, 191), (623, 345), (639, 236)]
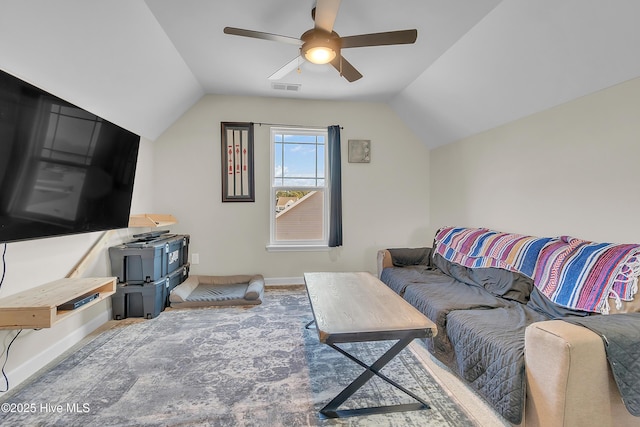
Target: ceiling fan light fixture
[(319, 47), (320, 54)]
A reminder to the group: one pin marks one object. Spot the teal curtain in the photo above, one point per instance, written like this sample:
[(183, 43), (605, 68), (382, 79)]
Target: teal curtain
[(335, 187)]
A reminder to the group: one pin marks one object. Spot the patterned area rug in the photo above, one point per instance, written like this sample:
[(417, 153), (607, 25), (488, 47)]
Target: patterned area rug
[(228, 366)]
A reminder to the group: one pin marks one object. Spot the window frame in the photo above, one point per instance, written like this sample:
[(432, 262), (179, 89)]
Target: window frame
[(297, 245)]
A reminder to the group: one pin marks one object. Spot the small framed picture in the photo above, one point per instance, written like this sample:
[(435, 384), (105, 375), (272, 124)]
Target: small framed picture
[(359, 151)]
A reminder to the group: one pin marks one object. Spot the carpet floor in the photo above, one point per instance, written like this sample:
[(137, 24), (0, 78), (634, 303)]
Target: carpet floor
[(229, 366)]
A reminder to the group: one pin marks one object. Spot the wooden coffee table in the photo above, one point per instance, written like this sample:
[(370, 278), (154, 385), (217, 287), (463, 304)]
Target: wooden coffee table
[(357, 307)]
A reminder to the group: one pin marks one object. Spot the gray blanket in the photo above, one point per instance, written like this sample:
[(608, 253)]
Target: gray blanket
[(621, 336), (481, 315), (480, 335), (440, 296), (489, 349)]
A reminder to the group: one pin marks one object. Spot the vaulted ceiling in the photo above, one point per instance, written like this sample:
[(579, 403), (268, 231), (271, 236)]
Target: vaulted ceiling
[(476, 64)]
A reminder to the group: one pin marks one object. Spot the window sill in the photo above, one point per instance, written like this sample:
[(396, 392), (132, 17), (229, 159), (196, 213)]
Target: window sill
[(297, 248)]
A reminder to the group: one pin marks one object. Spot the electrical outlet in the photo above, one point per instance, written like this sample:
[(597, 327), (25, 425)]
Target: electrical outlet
[(195, 259)]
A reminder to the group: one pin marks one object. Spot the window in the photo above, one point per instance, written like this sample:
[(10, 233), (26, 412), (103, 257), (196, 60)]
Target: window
[(299, 192)]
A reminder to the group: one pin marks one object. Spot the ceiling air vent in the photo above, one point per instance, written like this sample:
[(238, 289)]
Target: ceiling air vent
[(290, 87)]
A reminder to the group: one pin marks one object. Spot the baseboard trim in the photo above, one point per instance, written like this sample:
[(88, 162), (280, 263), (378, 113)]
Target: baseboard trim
[(283, 281), (31, 366)]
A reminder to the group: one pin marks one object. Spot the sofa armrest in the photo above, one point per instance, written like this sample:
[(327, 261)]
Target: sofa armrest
[(569, 381), (402, 257), (383, 260)]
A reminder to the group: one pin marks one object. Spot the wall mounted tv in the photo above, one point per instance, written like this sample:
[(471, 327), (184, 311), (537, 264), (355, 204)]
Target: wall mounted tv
[(63, 170)]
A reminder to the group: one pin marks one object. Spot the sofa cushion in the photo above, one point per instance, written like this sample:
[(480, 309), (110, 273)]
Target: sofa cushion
[(397, 278), (503, 283), (632, 306), (489, 353), (440, 295), (572, 272), (540, 303), (499, 282), (403, 257)]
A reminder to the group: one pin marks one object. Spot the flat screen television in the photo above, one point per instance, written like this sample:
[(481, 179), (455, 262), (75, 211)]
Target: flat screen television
[(63, 170)]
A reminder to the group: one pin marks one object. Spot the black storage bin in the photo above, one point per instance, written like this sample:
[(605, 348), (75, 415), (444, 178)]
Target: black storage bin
[(174, 279), (149, 260), (146, 300), (138, 265), (177, 248)]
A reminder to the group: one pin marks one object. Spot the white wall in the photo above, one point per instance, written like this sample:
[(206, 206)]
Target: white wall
[(570, 170), (35, 262), (112, 58), (385, 202)]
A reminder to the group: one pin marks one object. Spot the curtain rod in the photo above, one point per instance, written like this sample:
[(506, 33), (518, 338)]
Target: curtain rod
[(287, 125)]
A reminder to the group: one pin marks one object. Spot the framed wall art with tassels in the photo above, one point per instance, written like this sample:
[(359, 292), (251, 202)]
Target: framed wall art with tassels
[(237, 162)]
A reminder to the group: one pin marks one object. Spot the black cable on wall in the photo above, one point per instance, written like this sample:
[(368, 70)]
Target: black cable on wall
[(6, 358)]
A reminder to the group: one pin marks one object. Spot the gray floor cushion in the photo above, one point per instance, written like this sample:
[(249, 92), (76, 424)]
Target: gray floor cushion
[(201, 291)]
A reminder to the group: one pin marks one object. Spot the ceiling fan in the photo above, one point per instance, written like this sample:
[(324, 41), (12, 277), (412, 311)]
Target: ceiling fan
[(322, 45)]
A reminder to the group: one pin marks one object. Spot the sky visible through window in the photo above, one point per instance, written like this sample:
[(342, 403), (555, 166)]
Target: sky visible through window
[(299, 160)]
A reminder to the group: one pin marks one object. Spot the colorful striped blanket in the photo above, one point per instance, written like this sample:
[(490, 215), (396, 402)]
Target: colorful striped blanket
[(573, 273)]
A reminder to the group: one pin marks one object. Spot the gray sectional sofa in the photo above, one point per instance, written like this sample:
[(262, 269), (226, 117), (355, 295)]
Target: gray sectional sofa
[(502, 337)]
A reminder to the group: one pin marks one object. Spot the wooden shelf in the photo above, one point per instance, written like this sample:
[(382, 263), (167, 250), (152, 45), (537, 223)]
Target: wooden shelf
[(38, 307), (151, 220)]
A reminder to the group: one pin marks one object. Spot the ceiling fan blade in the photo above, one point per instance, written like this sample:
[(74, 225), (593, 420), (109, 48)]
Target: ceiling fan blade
[(345, 69), (260, 35), (325, 14), (286, 69), (380, 39)]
